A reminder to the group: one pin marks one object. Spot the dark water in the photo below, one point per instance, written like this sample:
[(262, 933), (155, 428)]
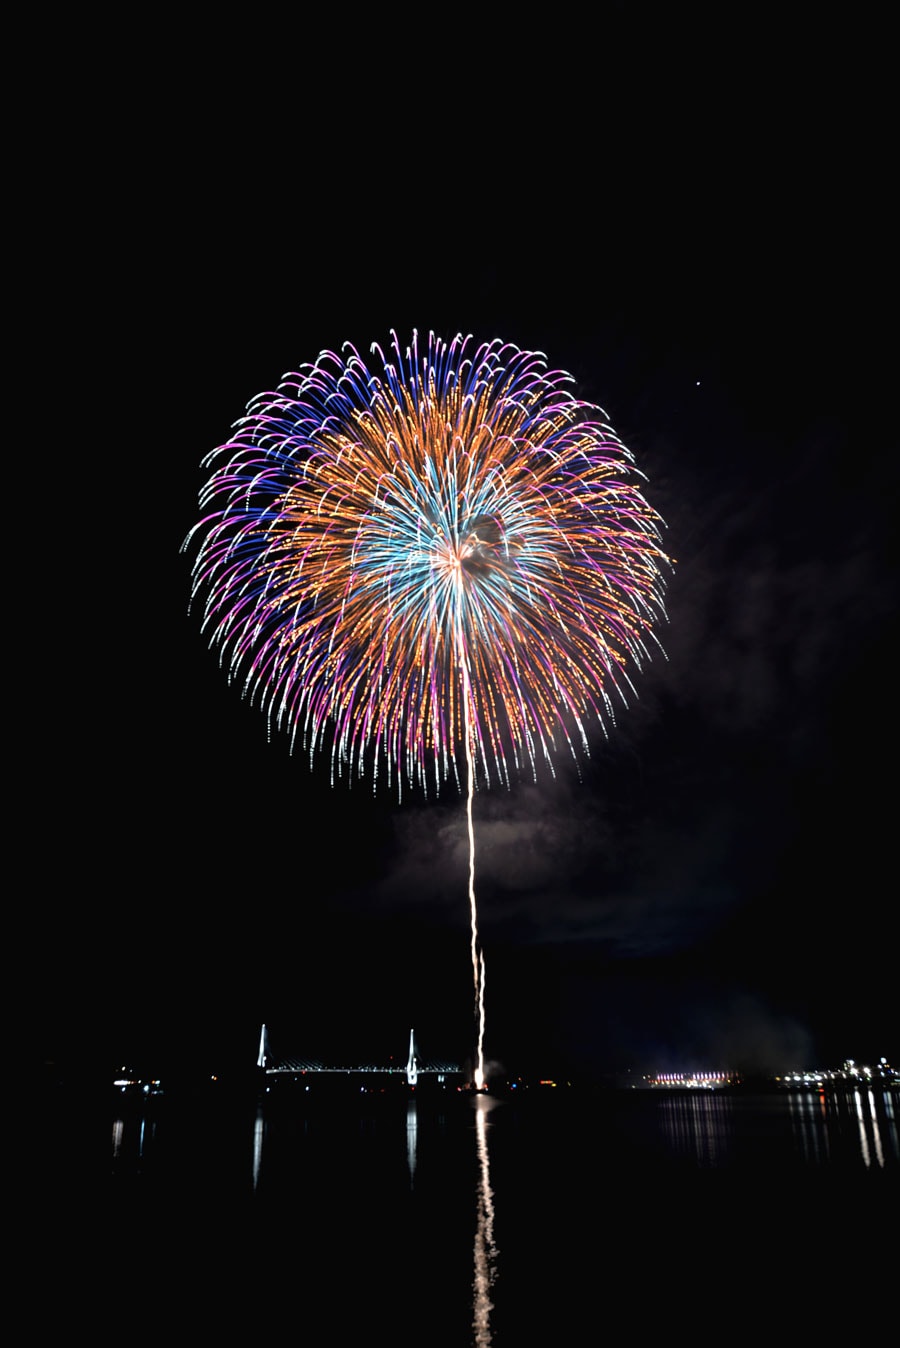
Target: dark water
[(555, 1217)]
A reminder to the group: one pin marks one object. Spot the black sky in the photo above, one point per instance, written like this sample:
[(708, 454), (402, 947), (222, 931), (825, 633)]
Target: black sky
[(712, 889), (715, 887)]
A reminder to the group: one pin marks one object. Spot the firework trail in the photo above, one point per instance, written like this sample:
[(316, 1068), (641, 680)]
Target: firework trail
[(477, 954), (441, 559)]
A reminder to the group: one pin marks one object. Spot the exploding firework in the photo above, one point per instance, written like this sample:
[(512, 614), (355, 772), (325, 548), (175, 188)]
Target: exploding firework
[(449, 536), (435, 560)]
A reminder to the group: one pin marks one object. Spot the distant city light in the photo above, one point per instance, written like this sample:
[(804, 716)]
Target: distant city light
[(706, 1081)]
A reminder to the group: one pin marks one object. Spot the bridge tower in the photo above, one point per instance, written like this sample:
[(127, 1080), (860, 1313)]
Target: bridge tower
[(264, 1057), (412, 1071)]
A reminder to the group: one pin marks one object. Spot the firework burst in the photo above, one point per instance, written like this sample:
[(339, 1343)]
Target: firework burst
[(438, 549)]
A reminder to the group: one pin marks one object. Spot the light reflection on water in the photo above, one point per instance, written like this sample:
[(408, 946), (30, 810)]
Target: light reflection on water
[(809, 1116), (698, 1126), (706, 1130), (424, 1194), (862, 1121), (412, 1121), (259, 1133), (137, 1136), (712, 1131), (486, 1253)]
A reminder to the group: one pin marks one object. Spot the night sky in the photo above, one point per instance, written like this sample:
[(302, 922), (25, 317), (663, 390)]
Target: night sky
[(712, 888)]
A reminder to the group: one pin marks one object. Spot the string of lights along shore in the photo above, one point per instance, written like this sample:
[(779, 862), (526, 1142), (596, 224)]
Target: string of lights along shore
[(435, 565)]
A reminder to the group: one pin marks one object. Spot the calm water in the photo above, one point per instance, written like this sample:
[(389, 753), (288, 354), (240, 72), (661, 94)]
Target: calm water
[(553, 1218)]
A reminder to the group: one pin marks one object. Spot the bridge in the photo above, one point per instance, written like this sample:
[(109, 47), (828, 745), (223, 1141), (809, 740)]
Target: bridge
[(413, 1070)]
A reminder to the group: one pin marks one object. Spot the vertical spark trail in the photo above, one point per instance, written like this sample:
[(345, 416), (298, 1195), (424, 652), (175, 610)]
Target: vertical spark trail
[(477, 954)]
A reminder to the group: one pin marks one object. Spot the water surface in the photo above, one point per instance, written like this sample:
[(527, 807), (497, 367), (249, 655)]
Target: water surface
[(480, 1220)]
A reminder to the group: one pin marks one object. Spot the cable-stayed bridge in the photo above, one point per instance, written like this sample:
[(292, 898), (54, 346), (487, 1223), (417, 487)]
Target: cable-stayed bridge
[(414, 1068)]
